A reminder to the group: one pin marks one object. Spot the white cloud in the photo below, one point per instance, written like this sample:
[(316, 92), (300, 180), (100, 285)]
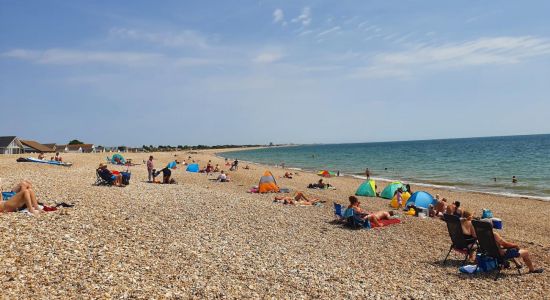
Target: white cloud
[(71, 57), (483, 51), (268, 57), (185, 38), (278, 16), (333, 29), (304, 18)]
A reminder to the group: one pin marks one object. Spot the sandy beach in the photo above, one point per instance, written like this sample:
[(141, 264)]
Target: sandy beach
[(204, 239)]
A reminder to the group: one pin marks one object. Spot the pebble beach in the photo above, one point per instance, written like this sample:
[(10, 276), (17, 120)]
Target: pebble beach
[(204, 239)]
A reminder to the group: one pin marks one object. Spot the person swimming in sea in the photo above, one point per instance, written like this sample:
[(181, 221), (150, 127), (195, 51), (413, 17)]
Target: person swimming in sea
[(514, 179)]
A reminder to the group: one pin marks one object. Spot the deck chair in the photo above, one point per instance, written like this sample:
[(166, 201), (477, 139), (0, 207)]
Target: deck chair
[(489, 247), (355, 221), (100, 181), (459, 242), (338, 213)]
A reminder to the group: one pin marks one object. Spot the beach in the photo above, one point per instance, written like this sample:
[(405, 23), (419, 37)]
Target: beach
[(205, 239)]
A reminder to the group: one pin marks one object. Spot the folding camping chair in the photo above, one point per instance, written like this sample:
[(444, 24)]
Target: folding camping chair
[(100, 181), (489, 247), (354, 221), (459, 242), (338, 214)]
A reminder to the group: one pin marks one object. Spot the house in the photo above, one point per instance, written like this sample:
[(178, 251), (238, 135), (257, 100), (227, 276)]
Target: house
[(10, 145), (32, 146), (78, 148)]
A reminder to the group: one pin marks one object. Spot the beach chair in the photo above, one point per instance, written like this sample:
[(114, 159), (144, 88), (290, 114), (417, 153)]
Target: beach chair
[(100, 181), (338, 213), (489, 247), (459, 242), (355, 221)]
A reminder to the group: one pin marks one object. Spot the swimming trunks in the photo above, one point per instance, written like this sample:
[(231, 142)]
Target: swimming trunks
[(512, 253)]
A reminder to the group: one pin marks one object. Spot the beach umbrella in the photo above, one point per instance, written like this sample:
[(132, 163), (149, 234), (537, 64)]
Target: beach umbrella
[(421, 199), (367, 188), (390, 189)]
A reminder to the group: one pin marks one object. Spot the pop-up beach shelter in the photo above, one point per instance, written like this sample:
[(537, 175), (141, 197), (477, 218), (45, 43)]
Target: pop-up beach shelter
[(118, 159), (389, 190), (324, 173), (367, 188), (268, 184), (193, 168), (421, 199)]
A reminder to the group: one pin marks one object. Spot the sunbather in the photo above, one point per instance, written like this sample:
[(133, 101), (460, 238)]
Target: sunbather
[(440, 207), (320, 185), (24, 196), (454, 209), (41, 155), (299, 198), (288, 175), (223, 177), (511, 250), (468, 230), (374, 218), (108, 176)]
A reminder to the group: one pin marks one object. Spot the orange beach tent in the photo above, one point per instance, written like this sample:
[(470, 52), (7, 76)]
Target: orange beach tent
[(268, 184)]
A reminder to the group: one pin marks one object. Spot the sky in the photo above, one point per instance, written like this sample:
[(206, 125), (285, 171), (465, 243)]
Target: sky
[(254, 72)]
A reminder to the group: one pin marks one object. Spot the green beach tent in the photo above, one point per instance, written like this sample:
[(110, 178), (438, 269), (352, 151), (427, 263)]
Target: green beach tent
[(367, 188), (389, 190)]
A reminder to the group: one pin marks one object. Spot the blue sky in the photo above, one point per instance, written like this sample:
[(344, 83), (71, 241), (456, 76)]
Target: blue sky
[(219, 72)]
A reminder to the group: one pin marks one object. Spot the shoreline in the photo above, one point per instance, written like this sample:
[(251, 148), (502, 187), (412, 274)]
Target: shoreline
[(386, 180)]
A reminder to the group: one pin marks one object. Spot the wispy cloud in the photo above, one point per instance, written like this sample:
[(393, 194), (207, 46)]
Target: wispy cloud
[(483, 51), (185, 38), (304, 18), (333, 29), (279, 16), (71, 57)]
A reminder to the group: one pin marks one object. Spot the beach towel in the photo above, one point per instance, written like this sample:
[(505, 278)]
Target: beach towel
[(386, 222)]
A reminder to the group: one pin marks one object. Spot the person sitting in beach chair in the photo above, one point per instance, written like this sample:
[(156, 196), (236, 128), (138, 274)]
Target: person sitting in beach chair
[(107, 176), (374, 218), (24, 196), (493, 245), (298, 199)]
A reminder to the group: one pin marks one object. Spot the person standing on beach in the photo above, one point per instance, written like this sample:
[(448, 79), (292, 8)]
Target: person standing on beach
[(514, 179), (367, 173), (150, 167)]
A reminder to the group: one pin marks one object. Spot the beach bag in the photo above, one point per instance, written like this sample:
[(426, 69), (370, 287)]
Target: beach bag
[(486, 213), (126, 177), (486, 263)]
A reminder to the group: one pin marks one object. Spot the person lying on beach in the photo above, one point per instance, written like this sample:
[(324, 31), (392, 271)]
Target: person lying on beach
[(512, 250), (246, 167), (299, 198), (374, 218), (320, 184), (105, 174), (288, 175), (24, 196), (454, 209)]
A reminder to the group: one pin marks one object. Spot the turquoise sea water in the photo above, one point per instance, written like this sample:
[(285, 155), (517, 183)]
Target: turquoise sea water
[(469, 163)]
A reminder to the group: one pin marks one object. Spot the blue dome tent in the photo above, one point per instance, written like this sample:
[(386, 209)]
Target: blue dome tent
[(194, 168), (421, 199)]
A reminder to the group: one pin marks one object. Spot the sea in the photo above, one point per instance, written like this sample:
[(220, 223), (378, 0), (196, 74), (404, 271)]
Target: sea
[(484, 164)]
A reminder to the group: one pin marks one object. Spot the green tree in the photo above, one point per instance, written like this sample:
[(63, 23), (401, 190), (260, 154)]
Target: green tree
[(75, 142)]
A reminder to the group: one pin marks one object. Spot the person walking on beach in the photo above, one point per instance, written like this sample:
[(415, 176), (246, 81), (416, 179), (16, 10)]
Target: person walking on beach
[(367, 173), (150, 167)]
